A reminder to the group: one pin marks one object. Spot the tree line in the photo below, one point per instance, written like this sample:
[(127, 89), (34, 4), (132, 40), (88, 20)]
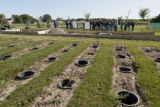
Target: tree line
[(28, 19), (25, 18)]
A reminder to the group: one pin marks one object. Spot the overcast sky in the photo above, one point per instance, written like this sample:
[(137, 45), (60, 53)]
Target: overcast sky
[(77, 8)]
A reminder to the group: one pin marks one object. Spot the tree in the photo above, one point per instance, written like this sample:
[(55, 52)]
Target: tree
[(156, 19), (60, 19), (46, 18), (143, 12), (38, 24), (27, 19), (3, 19), (17, 19), (48, 24), (87, 16)]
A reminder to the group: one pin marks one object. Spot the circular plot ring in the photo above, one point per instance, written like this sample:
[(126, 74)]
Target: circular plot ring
[(51, 59), (157, 60), (94, 46), (121, 56), (51, 43), (148, 50), (119, 49), (65, 84), (82, 63), (34, 49), (65, 50), (5, 57), (91, 53), (128, 99), (75, 44), (26, 74), (125, 70)]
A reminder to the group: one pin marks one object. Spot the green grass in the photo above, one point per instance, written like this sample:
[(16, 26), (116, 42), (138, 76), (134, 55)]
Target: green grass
[(4, 39), (10, 68), (148, 76), (25, 94), (94, 91), (96, 88), (8, 51), (6, 43)]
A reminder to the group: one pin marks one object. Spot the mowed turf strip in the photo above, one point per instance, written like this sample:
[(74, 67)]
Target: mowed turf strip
[(8, 51), (94, 91), (10, 68), (148, 76), (25, 94), (5, 39), (6, 43)]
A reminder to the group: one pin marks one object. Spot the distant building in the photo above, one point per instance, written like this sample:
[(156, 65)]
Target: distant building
[(10, 21)]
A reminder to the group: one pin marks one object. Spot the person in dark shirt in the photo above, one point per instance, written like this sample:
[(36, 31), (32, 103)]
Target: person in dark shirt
[(71, 26), (94, 25), (67, 24), (129, 25), (106, 25), (125, 26), (122, 23), (132, 24)]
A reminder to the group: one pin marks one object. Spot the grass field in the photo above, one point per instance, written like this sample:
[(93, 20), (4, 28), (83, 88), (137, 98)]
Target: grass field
[(138, 28), (95, 90)]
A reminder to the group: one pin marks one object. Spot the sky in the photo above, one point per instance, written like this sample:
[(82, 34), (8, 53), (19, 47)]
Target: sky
[(77, 8)]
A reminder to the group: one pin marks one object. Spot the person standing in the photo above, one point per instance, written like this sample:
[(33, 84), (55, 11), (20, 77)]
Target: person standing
[(106, 25), (125, 25), (111, 25), (115, 25), (55, 24), (67, 24), (71, 25), (129, 25), (122, 23), (132, 24), (94, 25)]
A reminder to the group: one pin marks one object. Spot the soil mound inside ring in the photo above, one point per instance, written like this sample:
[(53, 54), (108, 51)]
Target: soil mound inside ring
[(128, 99), (65, 84)]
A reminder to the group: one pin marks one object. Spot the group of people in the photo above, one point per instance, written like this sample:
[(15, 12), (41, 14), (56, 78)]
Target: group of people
[(69, 24), (112, 25), (127, 25), (106, 25)]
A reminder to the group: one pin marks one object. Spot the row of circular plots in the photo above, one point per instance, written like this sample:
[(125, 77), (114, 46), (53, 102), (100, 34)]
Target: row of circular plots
[(6, 57), (81, 65), (30, 73), (64, 85), (34, 70), (124, 79)]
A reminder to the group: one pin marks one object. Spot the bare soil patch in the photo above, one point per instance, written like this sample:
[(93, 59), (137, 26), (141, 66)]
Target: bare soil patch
[(124, 78), (153, 53), (53, 95), (37, 68)]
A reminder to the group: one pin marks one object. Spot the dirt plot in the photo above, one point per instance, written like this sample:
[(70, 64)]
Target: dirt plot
[(153, 53), (37, 68), (124, 79), (59, 93)]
